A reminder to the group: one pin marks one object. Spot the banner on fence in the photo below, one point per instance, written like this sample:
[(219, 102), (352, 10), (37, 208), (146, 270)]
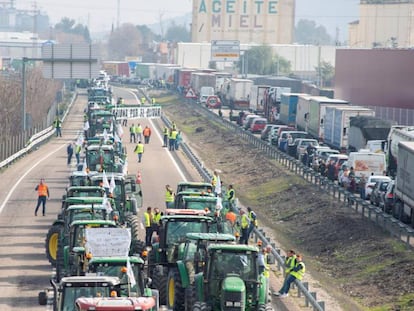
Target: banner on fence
[(137, 112)]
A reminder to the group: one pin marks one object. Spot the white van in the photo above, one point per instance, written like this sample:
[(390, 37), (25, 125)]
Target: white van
[(367, 163)]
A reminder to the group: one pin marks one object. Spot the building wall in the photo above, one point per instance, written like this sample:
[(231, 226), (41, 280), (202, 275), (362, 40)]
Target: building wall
[(303, 58), (379, 22), (380, 79), (261, 22)]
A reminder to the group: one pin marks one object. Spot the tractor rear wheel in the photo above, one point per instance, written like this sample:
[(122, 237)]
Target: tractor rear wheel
[(51, 245), (159, 281), (190, 297), (175, 291), (200, 306), (137, 245)]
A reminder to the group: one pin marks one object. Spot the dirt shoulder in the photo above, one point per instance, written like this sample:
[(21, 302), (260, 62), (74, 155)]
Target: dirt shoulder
[(359, 264)]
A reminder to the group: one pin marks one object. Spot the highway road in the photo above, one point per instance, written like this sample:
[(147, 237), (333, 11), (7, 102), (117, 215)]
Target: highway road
[(24, 269)]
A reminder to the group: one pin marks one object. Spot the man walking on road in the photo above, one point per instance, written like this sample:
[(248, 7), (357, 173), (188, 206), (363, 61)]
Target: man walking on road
[(139, 150), (147, 134), (69, 151), (43, 194), (58, 126), (132, 137)]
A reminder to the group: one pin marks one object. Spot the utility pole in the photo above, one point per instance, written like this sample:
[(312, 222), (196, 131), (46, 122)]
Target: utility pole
[(118, 13)]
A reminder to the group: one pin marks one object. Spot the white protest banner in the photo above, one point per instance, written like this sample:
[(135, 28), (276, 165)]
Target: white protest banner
[(108, 242)]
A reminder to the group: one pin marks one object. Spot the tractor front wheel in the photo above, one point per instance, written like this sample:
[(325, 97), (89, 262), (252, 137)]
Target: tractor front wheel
[(200, 306), (175, 291), (52, 239)]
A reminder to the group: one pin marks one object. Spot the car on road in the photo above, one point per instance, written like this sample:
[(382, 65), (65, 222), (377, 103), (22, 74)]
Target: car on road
[(265, 134), (378, 192), (389, 197), (372, 180), (337, 160), (257, 125)]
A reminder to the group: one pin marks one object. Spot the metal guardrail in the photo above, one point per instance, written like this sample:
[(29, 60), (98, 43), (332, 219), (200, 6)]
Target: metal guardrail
[(396, 228), (36, 139)]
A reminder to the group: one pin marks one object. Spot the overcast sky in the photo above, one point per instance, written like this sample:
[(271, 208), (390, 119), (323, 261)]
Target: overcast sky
[(100, 14)]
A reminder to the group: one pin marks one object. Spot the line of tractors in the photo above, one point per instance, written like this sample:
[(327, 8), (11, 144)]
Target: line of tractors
[(195, 262)]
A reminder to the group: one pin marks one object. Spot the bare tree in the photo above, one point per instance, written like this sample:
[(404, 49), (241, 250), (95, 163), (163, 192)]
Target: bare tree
[(124, 41)]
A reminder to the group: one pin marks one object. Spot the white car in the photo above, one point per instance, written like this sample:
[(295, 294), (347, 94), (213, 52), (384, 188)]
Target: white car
[(372, 180)]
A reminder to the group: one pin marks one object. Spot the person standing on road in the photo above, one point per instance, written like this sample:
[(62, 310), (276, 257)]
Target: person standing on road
[(138, 132), (147, 134), (157, 220), (69, 151), (165, 133), (290, 262), (252, 221), (139, 150), (169, 197), (295, 274), (43, 194), (244, 238), (58, 126), (148, 221), (178, 140), (361, 185), (132, 137), (78, 149), (230, 196), (173, 137)]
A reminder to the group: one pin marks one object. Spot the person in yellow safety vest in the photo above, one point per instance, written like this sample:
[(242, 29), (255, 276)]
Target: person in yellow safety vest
[(132, 137), (263, 259), (169, 197), (296, 273), (245, 222), (157, 220), (173, 137), (230, 196), (174, 126), (138, 131), (139, 150), (148, 221), (58, 126), (290, 261), (253, 221), (142, 100), (165, 133), (216, 182)]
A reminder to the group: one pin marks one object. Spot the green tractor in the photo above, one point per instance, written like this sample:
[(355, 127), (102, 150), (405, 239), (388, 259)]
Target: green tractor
[(60, 230), (127, 197), (170, 245), (192, 186), (71, 254), (230, 280), (118, 266), (192, 260), (106, 158), (64, 293)]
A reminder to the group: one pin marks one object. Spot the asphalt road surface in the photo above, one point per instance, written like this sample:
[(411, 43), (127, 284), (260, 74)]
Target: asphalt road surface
[(24, 268)]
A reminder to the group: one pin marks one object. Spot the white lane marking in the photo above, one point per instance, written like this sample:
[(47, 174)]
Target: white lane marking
[(161, 141), (9, 194)]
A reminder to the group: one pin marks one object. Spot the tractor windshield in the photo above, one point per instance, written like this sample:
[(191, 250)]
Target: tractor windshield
[(241, 263), (70, 294), (178, 229)]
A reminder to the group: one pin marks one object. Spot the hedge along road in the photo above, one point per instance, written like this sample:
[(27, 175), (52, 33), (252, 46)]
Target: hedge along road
[(25, 270)]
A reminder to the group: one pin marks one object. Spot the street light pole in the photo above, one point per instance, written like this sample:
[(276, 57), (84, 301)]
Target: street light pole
[(24, 59)]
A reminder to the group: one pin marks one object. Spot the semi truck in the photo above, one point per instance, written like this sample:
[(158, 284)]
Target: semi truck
[(337, 123), (257, 98), (202, 79), (237, 93), (404, 185), (317, 112), (364, 131), (396, 135), (288, 107)]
